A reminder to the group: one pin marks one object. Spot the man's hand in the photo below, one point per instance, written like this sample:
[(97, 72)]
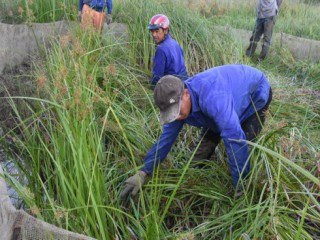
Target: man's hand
[(109, 19), (79, 15), (132, 185)]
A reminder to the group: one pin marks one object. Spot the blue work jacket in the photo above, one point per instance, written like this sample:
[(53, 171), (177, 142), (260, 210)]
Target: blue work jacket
[(168, 60), (222, 98), (97, 3)]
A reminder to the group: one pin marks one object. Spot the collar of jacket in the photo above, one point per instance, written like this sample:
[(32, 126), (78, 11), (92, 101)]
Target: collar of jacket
[(165, 39), (194, 100)]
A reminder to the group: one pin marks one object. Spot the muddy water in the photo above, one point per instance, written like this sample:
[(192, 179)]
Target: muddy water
[(9, 167), (15, 81)]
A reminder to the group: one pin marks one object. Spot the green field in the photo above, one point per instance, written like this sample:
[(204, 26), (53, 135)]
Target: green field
[(93, 120)]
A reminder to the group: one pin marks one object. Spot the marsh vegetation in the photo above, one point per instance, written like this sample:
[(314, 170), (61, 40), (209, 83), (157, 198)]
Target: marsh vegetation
[(92, 120)]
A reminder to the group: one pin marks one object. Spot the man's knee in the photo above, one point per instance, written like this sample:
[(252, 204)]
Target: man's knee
[(206, 146)]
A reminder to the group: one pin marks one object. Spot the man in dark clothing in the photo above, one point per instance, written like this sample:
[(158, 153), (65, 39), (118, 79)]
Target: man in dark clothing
[(227, 102), (169, 57), (267, 13)]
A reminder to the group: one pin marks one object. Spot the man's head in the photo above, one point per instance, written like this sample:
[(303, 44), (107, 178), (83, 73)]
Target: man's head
[(159, 27), (172, 98)]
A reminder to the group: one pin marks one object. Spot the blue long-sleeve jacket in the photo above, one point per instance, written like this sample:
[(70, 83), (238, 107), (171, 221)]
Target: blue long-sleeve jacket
[(221, 99), (98, 3), (168, 59)]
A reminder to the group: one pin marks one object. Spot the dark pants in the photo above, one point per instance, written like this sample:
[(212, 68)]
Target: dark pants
[(263, 27), (251, 127)]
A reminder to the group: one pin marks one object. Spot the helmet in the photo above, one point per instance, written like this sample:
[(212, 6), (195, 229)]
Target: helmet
[(158, 21)]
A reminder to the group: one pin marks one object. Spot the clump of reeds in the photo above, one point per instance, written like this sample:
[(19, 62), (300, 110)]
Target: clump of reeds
[(93, 121), (30, 11)]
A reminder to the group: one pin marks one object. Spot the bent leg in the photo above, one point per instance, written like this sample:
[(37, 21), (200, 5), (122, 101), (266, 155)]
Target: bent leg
[(208, 143), (98, 21), (255, 38), (252, 126), (267, 36)]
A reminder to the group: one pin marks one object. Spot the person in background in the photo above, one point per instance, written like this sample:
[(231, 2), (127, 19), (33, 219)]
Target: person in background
[(169, 57), (109, 12), (266, 18), (228, 102), (92, 13)]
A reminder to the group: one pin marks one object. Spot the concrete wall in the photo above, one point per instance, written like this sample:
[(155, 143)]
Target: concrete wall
[(19, 42), (301, 48)]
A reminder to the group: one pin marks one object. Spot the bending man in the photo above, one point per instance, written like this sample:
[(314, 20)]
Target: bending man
[(227, 102)]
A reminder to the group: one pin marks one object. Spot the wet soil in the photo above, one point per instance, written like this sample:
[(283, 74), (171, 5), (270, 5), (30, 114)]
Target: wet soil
[(16, 81)]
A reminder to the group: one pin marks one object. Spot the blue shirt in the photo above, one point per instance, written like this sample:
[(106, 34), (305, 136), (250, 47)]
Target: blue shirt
[(169, 59), (221, 99), (97, 3)]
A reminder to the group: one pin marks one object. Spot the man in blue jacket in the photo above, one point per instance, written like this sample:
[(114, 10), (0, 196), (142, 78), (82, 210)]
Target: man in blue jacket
[(169, 57), (228, 102)]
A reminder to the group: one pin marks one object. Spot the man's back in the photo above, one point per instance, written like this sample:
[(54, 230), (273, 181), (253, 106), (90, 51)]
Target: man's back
[(175, 58), (169, 60), (267, 8), (240, 85)]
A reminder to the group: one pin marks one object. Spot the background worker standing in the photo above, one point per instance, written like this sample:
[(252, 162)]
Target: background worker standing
[(169, 57), (267, 12), (229, 102), (92, 13)]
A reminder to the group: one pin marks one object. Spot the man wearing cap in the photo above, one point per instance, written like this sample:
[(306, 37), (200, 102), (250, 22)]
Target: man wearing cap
[(227, 102)]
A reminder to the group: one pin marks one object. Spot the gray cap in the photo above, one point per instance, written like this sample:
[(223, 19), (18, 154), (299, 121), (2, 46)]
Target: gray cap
[(167, 95)]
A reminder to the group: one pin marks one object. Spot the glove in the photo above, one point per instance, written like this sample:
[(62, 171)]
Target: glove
[(132, 185), (79, 15), (109, 19)]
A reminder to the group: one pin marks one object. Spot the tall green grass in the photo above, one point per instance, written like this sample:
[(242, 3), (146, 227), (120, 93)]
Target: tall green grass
[(93, 120), (80, 135), (298, 18), (29, 11), (204, 44)]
